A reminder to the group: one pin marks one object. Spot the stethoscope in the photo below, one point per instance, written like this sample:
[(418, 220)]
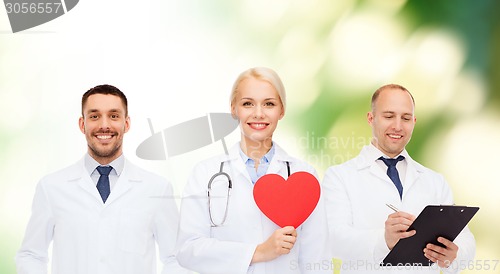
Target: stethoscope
[(229, 187)]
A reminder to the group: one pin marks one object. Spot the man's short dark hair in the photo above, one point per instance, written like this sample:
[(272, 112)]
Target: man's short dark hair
[(106, 90)]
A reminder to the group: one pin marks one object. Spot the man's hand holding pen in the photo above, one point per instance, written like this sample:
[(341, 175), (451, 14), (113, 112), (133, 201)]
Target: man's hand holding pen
[(395, 228)]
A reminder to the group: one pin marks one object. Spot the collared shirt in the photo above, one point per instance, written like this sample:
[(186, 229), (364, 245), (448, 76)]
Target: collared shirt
[(91, 164), (375, 153), (255, 174)]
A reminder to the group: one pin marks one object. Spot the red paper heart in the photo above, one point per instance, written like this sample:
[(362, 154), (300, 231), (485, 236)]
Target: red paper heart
[(287, 202)]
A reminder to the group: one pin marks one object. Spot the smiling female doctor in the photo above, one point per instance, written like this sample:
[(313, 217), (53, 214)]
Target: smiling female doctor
[(228, 233)]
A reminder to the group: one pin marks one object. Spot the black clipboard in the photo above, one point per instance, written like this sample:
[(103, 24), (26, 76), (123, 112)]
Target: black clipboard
[(434, 221)]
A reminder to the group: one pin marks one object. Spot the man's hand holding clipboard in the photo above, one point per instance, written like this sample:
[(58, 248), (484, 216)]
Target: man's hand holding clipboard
[(428, 238)]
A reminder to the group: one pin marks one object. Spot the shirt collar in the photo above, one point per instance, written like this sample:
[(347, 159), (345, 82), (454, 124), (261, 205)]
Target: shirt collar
[(265, 159), (117, 164), (374, 153)]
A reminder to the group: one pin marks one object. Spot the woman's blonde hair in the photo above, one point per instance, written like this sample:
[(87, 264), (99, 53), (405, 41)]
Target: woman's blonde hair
[(264, 74)]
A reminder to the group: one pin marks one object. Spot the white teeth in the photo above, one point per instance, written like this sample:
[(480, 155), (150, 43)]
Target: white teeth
[(395, 136), (258, 125), (103, 137)]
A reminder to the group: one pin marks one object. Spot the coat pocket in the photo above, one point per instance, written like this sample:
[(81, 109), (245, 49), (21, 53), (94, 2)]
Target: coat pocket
[(135, 231)]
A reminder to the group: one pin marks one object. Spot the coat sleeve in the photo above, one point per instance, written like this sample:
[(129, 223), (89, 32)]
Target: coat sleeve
[(346, 241), (165, 232), (32, 257), (465, 240), (197, 250), (315, 256), (466, 251)]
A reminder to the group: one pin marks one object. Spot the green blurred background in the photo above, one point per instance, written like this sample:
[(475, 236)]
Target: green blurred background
[(176, 60)]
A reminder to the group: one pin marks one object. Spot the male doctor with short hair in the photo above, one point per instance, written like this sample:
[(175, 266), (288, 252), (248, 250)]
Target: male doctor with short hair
[(362, 228), (103, 214)]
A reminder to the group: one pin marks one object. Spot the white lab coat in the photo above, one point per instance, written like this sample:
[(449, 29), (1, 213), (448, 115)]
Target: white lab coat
[(90, 237), (356, 194), (229, 248)]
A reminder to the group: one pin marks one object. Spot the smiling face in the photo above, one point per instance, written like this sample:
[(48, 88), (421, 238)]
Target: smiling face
[(392, 120), (104, 123), (258, 108)]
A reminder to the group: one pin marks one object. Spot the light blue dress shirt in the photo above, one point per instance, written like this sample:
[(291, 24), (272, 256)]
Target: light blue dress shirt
[(91, 164), (255, 174)]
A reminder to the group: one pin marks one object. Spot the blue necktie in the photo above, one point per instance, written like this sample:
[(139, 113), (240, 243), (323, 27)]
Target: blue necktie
[(103, 183), (392, 172)]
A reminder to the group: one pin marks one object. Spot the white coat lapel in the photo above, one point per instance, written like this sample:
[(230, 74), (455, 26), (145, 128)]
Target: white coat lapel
[(84, 181), (238, 168), (277, 167), (378, 172), (413, 172), (278, 163), (365, 161), (88, 186), (126, 181)]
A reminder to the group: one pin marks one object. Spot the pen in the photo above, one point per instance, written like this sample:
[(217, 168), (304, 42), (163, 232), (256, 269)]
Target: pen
[(392, 207)]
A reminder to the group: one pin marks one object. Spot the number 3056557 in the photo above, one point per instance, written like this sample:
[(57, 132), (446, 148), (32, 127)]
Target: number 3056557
[(33, 8)]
